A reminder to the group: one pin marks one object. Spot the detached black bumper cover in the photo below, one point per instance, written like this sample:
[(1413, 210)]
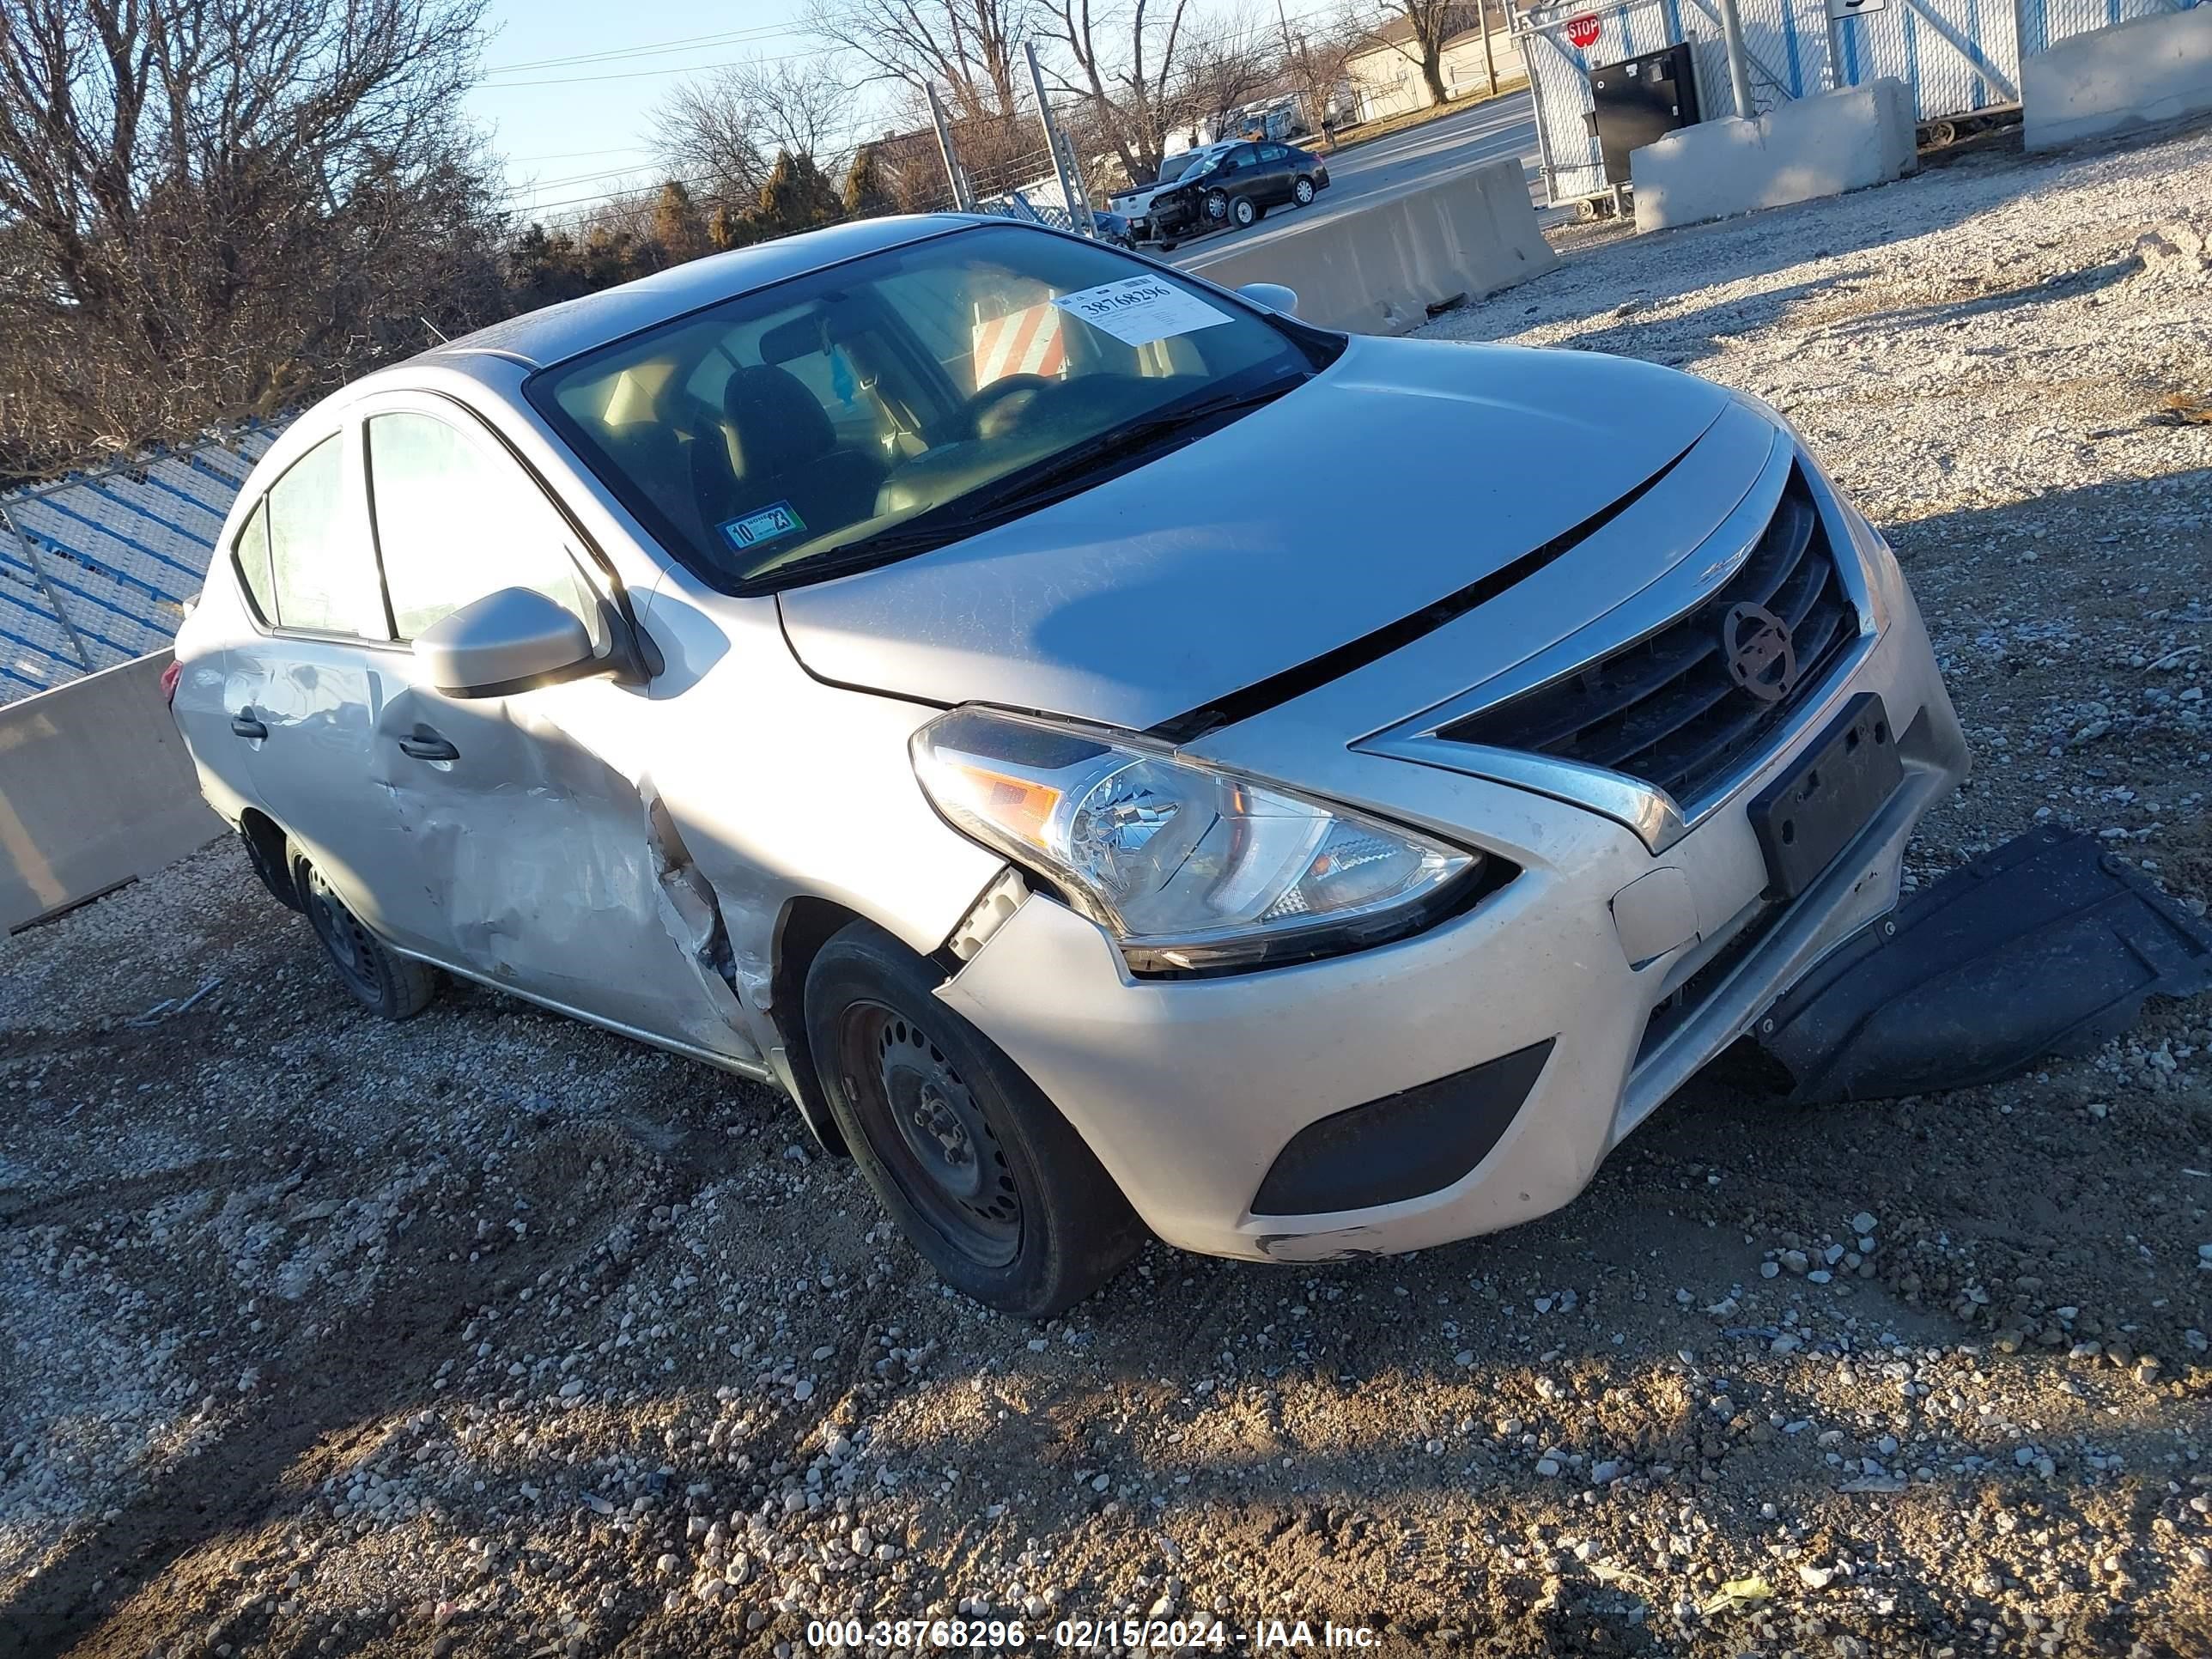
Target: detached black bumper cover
[(2046, 945)]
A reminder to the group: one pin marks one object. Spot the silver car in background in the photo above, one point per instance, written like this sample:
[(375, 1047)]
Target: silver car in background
[(1118, 758)]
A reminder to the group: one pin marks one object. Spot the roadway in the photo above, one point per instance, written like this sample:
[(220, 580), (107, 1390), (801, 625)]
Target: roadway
[(1501, 126)]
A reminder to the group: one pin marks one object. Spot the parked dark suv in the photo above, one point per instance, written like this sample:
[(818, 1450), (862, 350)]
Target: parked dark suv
[(1240, 186)]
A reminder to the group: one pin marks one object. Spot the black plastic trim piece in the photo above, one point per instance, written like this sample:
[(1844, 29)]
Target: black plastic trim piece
[(1417, 1141), (1278, 689)]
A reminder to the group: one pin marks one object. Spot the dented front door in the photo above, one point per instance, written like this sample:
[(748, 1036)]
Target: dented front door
[(549, 867), (532, 849)]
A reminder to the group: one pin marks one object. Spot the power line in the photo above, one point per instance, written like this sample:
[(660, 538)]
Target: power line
[(758, 31), (579, 179), (581, 155), (673, 68), (860, 131)]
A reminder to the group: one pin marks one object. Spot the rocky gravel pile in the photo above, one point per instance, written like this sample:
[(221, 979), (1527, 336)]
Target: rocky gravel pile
[(493, 1334)]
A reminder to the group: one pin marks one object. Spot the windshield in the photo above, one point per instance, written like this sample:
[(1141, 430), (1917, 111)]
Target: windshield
[(894, 403), (1190, 162)]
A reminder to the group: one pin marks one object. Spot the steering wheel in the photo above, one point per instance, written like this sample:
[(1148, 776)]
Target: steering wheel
[(988, 398)]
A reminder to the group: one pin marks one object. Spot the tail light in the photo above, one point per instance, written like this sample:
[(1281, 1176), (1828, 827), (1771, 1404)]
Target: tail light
[(170, 676)]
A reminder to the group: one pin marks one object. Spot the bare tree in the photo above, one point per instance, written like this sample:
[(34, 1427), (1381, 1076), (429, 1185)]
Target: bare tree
[(1225, 66), (971, 49), (704, 132), (1315, 57), (723, 133), (212, 202), (1124, 58), (909, 168), (1418, 30)]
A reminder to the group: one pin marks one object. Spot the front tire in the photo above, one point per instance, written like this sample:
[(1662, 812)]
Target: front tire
[(1244, 212), (1217, 206), (986, 1179), (387, 984)]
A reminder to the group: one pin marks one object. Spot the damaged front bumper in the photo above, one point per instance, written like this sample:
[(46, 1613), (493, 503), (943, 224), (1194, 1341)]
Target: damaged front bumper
[(1473, 1077)]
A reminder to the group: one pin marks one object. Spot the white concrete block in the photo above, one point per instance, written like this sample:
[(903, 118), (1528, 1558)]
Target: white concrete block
[(1376, 268), (1802, 149), (96, 788), (2138, 73)]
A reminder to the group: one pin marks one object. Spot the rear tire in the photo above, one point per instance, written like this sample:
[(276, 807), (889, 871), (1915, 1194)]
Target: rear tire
[(382, 981), (1302, 192), (985, 1178)]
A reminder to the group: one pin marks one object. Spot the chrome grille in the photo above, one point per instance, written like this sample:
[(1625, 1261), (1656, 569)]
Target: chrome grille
[(1665, 709)]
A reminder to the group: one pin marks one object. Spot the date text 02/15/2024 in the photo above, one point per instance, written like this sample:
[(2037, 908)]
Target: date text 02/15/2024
[(1088, 1635)]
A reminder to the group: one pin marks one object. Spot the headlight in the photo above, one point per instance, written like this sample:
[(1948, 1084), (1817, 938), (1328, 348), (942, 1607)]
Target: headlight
[(1189, 866)]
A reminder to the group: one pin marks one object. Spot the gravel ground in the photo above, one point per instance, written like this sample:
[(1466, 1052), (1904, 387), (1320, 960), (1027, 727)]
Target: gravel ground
[(491, 1334)]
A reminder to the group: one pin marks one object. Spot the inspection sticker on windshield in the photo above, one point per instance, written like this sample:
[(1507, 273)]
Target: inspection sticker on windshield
[(1138, 310), (764, 525)]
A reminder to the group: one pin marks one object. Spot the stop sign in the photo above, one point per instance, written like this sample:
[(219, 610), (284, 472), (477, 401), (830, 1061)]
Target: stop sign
[(1583, 31)]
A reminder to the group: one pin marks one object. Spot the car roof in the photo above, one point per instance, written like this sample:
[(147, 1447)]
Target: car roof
[(557, 332)]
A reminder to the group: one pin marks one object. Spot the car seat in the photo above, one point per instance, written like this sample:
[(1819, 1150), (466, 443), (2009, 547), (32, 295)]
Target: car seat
[(783, 449), (671, 446)]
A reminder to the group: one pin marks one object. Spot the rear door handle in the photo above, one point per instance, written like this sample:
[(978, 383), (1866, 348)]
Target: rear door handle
[(243, 724), (424, 744)]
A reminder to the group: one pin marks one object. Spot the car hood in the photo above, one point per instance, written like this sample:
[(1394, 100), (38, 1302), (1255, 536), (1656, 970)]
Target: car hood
[(1405, 472), (1136, 201)]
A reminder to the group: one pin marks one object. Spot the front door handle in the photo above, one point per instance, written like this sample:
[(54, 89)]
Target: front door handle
[(243, 725), (424, 744)]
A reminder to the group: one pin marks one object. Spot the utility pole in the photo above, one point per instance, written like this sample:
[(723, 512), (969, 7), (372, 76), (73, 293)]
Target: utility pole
[(964, 199), (1489, 58), (1296, 57), (1739, 65), (1063, 161)]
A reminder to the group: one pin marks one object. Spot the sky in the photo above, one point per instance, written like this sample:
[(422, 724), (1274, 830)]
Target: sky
[(573, 130)]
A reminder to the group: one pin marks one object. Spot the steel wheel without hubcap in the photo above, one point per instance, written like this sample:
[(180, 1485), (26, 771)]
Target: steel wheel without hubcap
[(1243, 212), (351, 946), (381, 979), (979, 1169), (933, 1136)]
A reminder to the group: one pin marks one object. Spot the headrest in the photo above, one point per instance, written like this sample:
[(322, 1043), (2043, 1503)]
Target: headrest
[(635, 398), (775, 423)]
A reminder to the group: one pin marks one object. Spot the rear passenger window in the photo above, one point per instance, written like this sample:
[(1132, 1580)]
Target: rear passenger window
[(321, 573), (454, 523), (252, 552)]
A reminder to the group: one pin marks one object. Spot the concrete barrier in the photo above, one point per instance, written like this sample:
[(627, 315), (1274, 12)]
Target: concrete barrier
[(2139, 73), (1802, 149), (96, 788), (1377, 267)]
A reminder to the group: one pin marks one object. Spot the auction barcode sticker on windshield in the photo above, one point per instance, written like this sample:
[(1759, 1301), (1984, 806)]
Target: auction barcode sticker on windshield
[(1138, 310)]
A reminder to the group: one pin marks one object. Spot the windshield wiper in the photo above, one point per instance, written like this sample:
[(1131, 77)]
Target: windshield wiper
[(1037, 485), (1050, 477), (844, 558)]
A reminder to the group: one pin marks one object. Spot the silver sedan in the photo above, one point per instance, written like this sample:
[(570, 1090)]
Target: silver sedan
[(1117, 757)]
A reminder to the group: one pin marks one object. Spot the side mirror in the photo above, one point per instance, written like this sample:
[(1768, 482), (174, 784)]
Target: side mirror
[(507, 642), (1273, 295)]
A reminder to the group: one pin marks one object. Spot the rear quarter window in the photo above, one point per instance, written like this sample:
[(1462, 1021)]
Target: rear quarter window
[(250, 553), (303, 556)]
